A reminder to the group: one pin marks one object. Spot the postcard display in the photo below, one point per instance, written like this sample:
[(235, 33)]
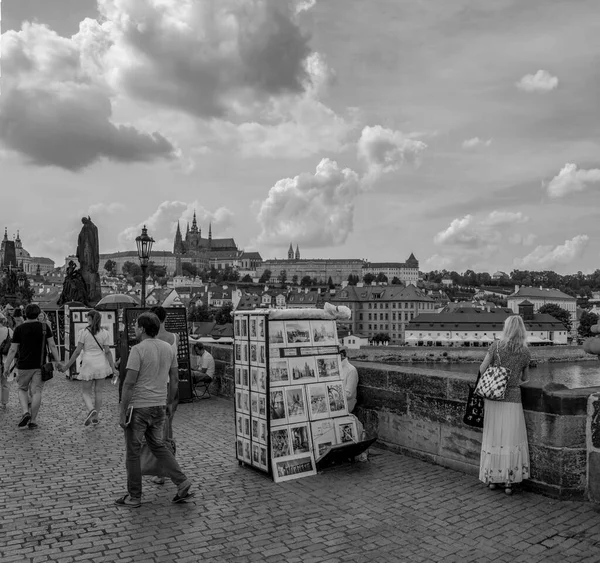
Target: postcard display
[(290, 404)]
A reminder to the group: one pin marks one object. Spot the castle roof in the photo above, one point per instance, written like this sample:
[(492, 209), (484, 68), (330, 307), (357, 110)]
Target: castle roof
[(540, 293)]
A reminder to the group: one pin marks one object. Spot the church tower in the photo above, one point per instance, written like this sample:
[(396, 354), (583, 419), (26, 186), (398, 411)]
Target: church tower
[(291, 252), (297, 253), (178, 244), (210, 235)]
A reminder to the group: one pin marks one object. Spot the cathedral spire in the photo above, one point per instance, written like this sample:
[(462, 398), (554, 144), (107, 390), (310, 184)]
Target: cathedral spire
[(194, 224), (297, 253), (5, 234), (210, 235), (291, 252)]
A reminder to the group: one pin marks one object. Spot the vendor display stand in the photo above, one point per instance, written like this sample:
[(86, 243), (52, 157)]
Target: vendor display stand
[(175, 322), (290, 402)]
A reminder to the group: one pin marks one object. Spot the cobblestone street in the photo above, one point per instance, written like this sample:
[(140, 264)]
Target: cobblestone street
[(59, 483)]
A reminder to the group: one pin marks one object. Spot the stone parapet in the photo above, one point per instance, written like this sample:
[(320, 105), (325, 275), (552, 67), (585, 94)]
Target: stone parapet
[(593, 447), (419, 412)]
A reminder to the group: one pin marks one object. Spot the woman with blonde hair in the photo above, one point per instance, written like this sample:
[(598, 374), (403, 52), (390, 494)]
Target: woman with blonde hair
[(5, 338), (97, 363), (504, 447)]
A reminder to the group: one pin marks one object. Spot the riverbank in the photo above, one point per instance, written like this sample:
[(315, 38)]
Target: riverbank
[(422, 354)]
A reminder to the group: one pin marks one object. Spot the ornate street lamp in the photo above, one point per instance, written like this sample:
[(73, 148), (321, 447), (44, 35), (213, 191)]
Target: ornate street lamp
[(21, 279), (144, 248)]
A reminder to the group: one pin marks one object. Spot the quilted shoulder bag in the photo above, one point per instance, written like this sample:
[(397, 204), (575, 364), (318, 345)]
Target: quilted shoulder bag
[(493, 382)]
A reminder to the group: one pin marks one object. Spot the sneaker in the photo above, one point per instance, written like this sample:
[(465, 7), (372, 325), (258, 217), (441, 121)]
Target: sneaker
[(95, 419), (24, 420), (32, 425), (127, 500), (91, 415), (183, 492)]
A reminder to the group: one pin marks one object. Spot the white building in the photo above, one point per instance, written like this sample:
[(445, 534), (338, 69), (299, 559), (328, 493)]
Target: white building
[(407, 272)]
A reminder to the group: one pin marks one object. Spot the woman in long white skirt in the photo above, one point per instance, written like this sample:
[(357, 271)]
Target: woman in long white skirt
[(504, 447)]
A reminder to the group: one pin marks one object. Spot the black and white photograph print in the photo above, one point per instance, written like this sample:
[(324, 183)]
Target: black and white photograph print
[(293, 467), (244, 327), (245, 377), (255, 454), (318, 401), (254, 403), (300, 439), (253, 353), (238, 352), (262, 360), (328, 367), (253, 331), (277, 410), (246, 427), (260, 327), (276, 334), (245, 402), (323, 435), (255, 429), (240, 425), (254, 379), (236, 327), (337, 399), (240, 449), (278, 372), (302, 369), (247, 456), (324, 333), (263, 463), (245, 355), (297, 333), (280, 442), (238, 401), (296, 404), (262, 379), (345, 430), (262, 431), (262, 405), (238, 376)]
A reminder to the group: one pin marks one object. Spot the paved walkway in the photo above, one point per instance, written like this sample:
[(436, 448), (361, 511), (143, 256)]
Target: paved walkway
[(58, 484)]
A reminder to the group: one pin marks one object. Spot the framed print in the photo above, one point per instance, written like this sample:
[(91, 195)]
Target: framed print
[(302, 369), (253, 328), (246, 427), (254, 379), (254, 403), (245, 355), (264, 462), (261, 354), (260, 327), (300, 441), (255, 454), (318, 401), (293, 467), (236, 327), (295, 404), (247, 455), (324, 436), (278, 373), (76, 317), (253, 353), (246, 402), (238, 401), (240, 449), (328, 367), (280, 442), (276, 334), (297, 333), (277, 410), (324, 333), (345, 430), (238, 376), (238, 352), (244, 326), (262, 405), (239, 424), (262, 379), (255, 429), (245, 378), (337, 399), (262, 431)]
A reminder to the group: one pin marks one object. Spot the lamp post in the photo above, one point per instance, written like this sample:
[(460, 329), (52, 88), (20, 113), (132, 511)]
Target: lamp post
[(144, 248)]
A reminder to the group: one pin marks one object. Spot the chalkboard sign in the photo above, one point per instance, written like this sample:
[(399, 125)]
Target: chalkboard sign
[(176, 322)]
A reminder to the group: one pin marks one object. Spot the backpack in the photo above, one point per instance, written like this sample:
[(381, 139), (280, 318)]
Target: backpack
[(5, 346)]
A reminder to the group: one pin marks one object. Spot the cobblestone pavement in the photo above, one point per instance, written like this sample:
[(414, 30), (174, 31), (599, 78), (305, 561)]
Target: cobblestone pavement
[(58, 484)]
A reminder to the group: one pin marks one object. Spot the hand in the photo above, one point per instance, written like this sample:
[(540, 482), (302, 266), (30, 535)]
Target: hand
[(123, 420)]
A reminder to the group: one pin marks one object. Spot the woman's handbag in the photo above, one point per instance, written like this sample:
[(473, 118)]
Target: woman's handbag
[(474, 410), (47, 368), (493, 382), (148, 463)]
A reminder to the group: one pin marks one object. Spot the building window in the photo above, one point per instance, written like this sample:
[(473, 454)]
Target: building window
[(386, 316)]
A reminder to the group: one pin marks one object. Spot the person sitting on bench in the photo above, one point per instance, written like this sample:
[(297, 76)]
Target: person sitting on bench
[(204, 372)]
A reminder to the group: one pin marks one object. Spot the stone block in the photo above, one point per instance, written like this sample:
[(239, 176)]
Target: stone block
[(417, 384), (373, 377), (461, 444), (380, 399), (437, 410), (556, 431), (593, 487), (369, 418), (458, 389), (419, 435), (562, 467)]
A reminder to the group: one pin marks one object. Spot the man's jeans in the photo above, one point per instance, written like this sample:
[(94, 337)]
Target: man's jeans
[(148, 422)]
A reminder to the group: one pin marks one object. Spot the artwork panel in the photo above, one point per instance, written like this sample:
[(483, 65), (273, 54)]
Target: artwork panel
[(293, 467), (240, 449), (253, 328), (236, 327), (247, 432), (262, 405), (298, 333), (247, 453), (302, 370), (238, 376), (246, 402), (277, 407), (254, 403), (255, 429), (244, 326), (256, 455), (264, 461), (328, 368), (262, 354), (318, 401), (345, 430), (261, 327), (277, 334), (324, 333), (295, 400), (245, 377), (253, 378), (337, 399), (278, 372), (280, 442), (262, 380), (300, 438)]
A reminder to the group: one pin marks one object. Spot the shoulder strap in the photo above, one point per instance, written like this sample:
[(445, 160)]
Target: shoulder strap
[(498, 354), (88, 328), (44, 327)]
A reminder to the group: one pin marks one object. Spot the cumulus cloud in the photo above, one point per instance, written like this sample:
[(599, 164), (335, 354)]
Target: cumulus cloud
[(53, 110), (305, 5), (542, 81), (310, 209), (162, 224), (384, 150), (548, 256), (469, 232), (570, 180), (105, 208), (475, 142), (522, 239)]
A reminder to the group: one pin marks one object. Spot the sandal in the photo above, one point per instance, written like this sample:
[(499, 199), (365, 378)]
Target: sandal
[(32, 425), (24, 420), (91, 416), (128, 501)]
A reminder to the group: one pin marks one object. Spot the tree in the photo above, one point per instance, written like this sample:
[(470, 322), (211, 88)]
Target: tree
[(266, 276), (282, 277), (368, 278), (131, 269), (188, 269), (223, 315), (586, 321), (199, 314), (396, 281), (295, 279), (306, 281), (247, 279), (110, 266), (156, 271), (381, 278), (353, 279), (558, 313), (330, 283)]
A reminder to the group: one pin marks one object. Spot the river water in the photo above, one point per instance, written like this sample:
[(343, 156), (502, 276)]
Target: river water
[(571, 374)]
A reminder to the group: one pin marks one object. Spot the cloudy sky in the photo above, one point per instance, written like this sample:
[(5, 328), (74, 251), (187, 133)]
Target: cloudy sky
[(466, 132)]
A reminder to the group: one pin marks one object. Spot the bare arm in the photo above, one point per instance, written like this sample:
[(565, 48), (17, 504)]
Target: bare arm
[(73, 357), (53, 349), (173, 384), (109, 357), (127, 393), (10, 357), (525, 375), (486, 363)]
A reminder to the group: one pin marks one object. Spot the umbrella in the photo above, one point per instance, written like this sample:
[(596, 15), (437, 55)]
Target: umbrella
[(116, 301)]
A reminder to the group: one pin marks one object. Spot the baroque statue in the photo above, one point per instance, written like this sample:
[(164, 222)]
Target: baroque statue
[(74, 286), (88, 255)]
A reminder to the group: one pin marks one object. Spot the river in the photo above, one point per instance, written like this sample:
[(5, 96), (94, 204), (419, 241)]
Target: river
[(572, 374)]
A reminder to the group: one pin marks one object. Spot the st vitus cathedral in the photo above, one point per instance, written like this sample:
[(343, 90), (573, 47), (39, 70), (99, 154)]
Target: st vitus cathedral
[(198, 250)]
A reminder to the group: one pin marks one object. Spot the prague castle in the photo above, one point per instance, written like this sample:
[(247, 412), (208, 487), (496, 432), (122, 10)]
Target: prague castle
[(13, 253)]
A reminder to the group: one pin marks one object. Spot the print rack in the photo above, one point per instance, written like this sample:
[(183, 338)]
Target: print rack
[(290, 403)]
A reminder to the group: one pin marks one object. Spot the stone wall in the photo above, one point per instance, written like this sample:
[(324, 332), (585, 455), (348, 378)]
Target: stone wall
[(419, 412)]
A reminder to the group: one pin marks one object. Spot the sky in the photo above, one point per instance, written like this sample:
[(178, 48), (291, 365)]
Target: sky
[(465, 132)]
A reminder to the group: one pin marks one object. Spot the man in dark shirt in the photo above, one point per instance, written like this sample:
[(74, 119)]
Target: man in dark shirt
[(28, 341)]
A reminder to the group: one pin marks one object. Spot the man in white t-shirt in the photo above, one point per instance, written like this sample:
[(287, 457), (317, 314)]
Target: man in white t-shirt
[(205, 371), (145, 392), (350, 379)]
